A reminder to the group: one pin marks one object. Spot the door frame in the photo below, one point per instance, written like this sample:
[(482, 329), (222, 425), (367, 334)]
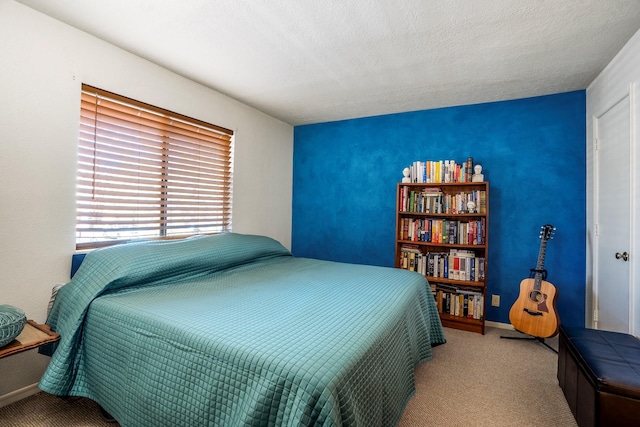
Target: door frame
[(595, 296)]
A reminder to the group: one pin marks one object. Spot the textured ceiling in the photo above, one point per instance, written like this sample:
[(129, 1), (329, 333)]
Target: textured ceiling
[(310, 61)]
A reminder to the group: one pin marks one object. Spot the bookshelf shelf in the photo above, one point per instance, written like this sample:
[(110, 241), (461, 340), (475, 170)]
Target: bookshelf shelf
[(440, 215), (456, 322), (441, 236), (447, 245), (473, 283)]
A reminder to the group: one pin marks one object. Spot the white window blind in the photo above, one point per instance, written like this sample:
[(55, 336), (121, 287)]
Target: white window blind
[(144, 172)]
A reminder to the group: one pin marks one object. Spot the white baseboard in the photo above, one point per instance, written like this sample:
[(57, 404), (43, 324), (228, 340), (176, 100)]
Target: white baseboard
[(499, 325), (14, 396)]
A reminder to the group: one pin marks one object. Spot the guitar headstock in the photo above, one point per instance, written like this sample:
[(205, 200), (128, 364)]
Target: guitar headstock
[(547, 231)]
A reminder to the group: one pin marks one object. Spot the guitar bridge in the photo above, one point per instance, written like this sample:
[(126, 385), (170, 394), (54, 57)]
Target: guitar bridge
[(533, 313)]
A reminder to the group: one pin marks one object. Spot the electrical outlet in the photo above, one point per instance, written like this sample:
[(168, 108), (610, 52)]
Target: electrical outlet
[(495, 300)]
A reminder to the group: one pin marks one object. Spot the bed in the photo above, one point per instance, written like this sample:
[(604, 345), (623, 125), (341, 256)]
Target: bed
[(232, 330)]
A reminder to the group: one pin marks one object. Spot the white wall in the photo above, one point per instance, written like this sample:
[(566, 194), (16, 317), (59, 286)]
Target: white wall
[(620, 78), (42, 65)]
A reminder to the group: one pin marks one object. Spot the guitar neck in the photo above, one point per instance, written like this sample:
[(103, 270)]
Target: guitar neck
[(540, 264)]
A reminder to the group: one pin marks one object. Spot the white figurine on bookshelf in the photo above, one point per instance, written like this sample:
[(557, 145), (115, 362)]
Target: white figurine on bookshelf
[(407, 175), (477, 176), (471, 206)]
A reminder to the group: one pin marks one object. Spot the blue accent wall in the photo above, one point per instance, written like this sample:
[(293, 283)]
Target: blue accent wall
[(533, 155)]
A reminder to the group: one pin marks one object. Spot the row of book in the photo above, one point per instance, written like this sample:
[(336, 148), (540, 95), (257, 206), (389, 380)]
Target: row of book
[(441, 171), (460, 303), (445, 231), (457, 264), (433, 200)]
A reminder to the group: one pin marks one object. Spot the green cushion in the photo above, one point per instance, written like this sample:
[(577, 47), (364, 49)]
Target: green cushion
[(12, 321)]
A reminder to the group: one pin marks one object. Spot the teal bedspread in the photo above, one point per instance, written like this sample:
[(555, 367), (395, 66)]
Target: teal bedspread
[(231, 330)]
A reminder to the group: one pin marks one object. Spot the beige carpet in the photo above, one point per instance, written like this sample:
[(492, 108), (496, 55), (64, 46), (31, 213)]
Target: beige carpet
[(482, 380), (473, 380)]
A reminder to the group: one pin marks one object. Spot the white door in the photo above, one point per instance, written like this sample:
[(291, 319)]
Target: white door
[(612, 131)]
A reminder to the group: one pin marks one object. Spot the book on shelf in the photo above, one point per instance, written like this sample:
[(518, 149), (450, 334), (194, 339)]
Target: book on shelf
[(459, 302), (483, 202)]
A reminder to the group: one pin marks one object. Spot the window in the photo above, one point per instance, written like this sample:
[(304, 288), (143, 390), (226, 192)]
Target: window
[(144, 172)]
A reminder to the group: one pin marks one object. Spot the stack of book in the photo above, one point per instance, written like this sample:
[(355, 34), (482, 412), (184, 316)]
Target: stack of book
[(441, 171)]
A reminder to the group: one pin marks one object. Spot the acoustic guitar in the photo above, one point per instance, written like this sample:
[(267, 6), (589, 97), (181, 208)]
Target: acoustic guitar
[(534, 312)]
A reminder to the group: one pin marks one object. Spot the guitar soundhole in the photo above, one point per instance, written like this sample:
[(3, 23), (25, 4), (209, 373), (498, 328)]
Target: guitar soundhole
[(536, 296)]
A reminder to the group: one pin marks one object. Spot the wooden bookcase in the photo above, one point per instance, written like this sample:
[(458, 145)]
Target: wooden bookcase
[(439, 235)]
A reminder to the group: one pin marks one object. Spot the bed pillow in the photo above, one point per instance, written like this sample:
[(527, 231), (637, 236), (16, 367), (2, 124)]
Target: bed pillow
[(161, 261), (54, 293), (12, 321)]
